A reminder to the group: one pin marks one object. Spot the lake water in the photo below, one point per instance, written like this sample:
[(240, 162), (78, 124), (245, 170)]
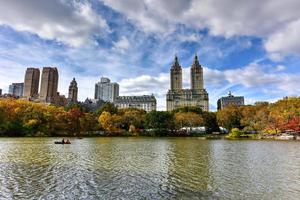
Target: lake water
[(148, 168)]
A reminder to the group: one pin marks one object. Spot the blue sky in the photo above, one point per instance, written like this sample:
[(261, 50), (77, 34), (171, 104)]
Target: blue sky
[(251, 48)]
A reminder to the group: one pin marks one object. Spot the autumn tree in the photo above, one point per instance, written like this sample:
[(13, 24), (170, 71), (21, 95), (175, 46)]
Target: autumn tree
[(24, 118), (188, 119), (73, 120), (110, 122), (230, 117), (254, 117), (133, 118), (284, 114)]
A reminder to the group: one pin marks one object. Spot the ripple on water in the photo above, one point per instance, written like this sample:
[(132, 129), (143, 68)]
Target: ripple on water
[(148, 168)]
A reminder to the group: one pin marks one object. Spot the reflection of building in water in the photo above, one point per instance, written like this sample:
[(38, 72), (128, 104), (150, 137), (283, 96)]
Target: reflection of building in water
[(190, 161), (230, 100), (140, 165), (196, 96)]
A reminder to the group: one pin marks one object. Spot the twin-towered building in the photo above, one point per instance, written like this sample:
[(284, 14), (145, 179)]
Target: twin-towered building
[(49, 83), (195, 96)]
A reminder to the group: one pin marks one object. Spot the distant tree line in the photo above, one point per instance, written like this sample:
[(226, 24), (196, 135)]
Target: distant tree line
[(263, 117), (24, 118)]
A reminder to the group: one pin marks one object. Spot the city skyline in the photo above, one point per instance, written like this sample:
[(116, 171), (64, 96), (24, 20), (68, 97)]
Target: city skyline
[(105, 38)]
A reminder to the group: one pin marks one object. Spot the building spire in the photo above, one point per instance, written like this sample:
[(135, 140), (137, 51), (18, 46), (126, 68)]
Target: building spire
[(196, 61), (176, 62)]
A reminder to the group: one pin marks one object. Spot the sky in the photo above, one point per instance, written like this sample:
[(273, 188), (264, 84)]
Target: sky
[(251, 48)]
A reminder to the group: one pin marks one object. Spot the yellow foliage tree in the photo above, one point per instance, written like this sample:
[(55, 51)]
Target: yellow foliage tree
[(105, 120), (188, 119), (109, 122)]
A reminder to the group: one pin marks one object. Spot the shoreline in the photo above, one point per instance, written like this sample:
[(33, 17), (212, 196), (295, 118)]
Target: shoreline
[(203, 137)]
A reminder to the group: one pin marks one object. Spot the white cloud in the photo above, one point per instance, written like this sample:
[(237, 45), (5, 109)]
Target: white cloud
[(70, 22), (221, 17), (280, 68), (122, 45), (152, 16), (254, 76), (250, 76), (285, 40), (189, 37), (276, 21), (147, 85), (277, 57)]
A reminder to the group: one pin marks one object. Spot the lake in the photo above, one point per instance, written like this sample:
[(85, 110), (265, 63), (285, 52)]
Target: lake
[(149, 168)]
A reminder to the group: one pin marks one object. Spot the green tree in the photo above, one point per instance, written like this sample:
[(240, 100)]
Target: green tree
[(107, 107), (159, 121), (88, 122), (210, 122), (235, 133), (186, 109)]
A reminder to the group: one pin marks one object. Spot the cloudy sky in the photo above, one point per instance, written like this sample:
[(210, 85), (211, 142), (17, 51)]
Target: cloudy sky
[(251, 48)]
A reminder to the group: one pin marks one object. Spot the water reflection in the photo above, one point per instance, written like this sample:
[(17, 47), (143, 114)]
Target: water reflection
[(256, 169), (148, 168)]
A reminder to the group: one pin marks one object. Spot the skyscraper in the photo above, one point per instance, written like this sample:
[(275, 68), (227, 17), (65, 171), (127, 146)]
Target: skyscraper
[(106, 91), (0, 92), (31, 83), (16, 89), (49, 83), (73, 91), (196, 96)]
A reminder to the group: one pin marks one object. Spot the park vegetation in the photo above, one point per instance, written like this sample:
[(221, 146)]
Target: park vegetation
[(24, 118), (262, 118)]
